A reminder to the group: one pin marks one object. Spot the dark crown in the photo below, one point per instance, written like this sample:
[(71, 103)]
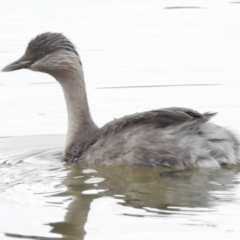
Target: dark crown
[(48, 42)]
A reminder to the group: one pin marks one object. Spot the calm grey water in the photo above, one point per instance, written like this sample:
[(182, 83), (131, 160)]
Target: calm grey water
[(137, 55)]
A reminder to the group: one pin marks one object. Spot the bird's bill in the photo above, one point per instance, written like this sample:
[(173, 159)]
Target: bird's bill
[(19, 64)]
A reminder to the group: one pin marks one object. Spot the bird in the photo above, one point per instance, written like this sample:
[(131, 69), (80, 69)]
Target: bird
[(177, 138)]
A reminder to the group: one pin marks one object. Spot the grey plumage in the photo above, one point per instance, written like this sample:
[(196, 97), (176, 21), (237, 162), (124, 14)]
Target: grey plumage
[(47, 43), (172, 137)]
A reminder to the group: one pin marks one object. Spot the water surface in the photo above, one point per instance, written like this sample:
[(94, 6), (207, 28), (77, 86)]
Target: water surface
[(137, 55)]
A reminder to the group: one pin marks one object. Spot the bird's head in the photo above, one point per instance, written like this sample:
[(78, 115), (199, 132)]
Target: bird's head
[(49, 52)]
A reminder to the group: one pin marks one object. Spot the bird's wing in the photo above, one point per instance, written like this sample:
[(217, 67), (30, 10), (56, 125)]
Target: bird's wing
[(160, 118)]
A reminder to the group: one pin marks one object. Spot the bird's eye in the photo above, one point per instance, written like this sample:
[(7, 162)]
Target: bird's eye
[(41, 54)]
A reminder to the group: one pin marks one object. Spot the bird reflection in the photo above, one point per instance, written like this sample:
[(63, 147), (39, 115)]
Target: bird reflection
[(153, 190)]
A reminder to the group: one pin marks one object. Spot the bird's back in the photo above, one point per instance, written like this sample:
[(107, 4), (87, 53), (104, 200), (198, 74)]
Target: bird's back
[(174, 137)]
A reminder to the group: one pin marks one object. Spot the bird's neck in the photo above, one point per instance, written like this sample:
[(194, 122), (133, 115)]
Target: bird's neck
[(81, 127)]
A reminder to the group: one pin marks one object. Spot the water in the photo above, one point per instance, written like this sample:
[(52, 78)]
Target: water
[(137, 55)]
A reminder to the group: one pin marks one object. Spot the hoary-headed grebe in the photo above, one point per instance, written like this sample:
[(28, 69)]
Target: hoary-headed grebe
[(180, 138)]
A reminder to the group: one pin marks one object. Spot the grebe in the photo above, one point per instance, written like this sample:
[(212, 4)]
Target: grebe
[(179, 138)]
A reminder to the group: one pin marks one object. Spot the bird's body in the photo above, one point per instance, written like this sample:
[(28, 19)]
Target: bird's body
[(172, 137)]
